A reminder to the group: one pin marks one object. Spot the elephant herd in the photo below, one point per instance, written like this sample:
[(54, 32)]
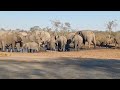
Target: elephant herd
[(35, 41)]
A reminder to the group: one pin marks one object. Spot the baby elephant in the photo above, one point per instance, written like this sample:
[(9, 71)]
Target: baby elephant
[(78, 41), (31, 47)]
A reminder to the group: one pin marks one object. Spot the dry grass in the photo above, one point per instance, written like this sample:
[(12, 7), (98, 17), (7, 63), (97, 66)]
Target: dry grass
[(96, 53), (4, 54)]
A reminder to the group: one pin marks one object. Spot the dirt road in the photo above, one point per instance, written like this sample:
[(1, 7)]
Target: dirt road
[(89, 64)]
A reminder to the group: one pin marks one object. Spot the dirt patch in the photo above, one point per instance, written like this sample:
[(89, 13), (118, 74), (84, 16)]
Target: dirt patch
[(102, 53), (41, 56)]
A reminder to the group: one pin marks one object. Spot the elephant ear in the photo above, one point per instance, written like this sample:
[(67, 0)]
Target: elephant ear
[(79, 32), (55, 37)]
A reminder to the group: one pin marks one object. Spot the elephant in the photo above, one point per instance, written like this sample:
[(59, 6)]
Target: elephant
[(43, 38), (61, 43), (103, 40), (9, 39), (40, 37), (52, 43), (69, 41), (117, 40), (88, 36), (31, 47), (108, 41), (26, 41), (78, 41)]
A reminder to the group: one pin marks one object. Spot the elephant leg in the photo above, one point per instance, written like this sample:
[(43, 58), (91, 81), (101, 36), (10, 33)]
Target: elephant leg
[(34, 51), (20, 50), (24, 49), (94, 43), (63, 47), (115, 45), (54, 49), (3, 46), (66, 47), (13, 47), (27, 50), (89, 44), (31, 51), (13, 50), (7, 50), (48, 46), (79, 46), (16, 50), (10, 49), (106, 45), (75, 46), (58, 48)]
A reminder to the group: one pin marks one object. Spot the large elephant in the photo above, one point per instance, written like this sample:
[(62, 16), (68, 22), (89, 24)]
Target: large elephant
[(52, 43), (108, 41), (43, 38), (117, 40), (9, 39), (78, 41), (104, 40), (69, 41), (61, 43), (88, 36)]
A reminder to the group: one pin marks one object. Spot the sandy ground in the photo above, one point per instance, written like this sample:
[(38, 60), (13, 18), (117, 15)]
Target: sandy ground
[(85, 64)]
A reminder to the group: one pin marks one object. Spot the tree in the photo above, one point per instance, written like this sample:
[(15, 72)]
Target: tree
[(17, 29), (68, 26), (2, 29), (111, 25), (34, 28), (63, 28), (56, 24)]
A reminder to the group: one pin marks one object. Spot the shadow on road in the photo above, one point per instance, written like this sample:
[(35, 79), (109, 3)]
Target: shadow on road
[(61, 68)]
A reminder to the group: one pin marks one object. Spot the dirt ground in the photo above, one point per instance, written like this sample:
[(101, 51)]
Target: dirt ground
[(84, 64)]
